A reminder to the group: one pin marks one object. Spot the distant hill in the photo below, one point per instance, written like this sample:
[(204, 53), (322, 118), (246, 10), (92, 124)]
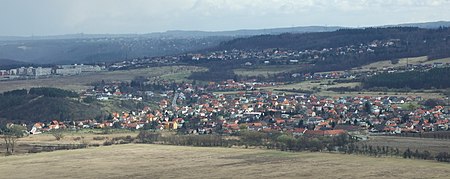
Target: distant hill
[(249, 32), (330, 51), (8, 62), (87, 48), (181, 33), (203, 34), (66, 51), (425, 25), (339, 38), (45, 104), (34, 108)]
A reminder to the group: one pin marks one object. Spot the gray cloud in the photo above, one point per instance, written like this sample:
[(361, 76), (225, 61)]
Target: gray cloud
[(47, 17)]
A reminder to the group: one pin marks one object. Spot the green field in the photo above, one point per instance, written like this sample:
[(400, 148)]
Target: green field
[(81, 82), (401, 63), (324, 85), (162, 161), (266, 70)]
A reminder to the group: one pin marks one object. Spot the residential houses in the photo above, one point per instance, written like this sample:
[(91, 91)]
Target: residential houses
[(197, 109)]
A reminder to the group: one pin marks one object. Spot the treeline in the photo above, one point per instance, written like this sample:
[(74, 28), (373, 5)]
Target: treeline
[(386, 151), (43, 91), (444, 135), (276, 141), (29, 109), (218, 70), (144, 84), (294, 90), (53, 92), (340, 38), (435, 78), (285, 142)]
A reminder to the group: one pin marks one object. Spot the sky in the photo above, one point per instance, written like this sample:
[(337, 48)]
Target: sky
[(56, 17)]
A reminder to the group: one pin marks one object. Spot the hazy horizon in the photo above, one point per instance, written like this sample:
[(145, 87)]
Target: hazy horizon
[(54, 17)]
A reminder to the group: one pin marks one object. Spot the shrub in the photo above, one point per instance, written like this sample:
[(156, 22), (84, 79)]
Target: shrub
[(58, 134), (108, 142), (99, 138)]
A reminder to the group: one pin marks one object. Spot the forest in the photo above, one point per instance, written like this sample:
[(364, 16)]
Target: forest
[(438, 78), (44, 104), (415, 38)]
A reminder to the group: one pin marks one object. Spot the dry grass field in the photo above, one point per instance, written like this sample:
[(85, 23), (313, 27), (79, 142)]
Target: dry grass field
[(265, 70), (444, 60), (89, 137), (162, 161), (324, 86), (425, 95), (309, 85), (387, 63), (401, 62), (402, 143), (72, 137), (81, 82), (325, 92)]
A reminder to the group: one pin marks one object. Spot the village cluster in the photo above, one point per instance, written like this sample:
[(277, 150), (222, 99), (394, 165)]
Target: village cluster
[(197, 109), (269, 56), (276, 56), (219, 107)]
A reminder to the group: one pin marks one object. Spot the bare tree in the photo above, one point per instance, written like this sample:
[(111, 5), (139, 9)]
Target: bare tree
[(58, 134), (10, 135)]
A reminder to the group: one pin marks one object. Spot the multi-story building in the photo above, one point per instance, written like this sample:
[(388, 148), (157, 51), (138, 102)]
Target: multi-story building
[(22, 71), (4, 73), (39, 71), (68, 71), (12, 72), (88, 68)]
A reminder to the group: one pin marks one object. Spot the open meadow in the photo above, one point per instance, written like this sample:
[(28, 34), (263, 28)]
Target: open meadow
[(163, 161), (401, 63), (266, 70), (86, 137), (388, 63), (325, 85), (83, 81), (402, 143)]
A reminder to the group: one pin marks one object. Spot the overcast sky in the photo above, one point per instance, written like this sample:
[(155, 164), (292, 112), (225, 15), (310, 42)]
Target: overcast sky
[(53, 17)]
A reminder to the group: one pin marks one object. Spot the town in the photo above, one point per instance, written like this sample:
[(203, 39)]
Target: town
[(199, 109), (225, 107), (46, 72), (225, 89)]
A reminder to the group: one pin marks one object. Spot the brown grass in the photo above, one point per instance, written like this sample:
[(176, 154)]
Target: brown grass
[(159, 161), (309, 85), (402, 62), (265, 70), (388, 63), (83, 137), (402, 143), (324, 86)]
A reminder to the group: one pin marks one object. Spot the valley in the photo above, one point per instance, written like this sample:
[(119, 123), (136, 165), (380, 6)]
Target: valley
[(290, 104)]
